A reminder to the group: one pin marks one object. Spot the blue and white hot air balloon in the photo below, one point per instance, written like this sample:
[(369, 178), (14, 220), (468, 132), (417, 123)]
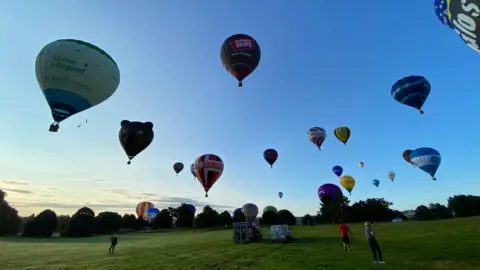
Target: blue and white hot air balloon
[(411, 91), (427, 159), (376, 182), (441, 10), (74, 76), (152, 213), (337, 170)]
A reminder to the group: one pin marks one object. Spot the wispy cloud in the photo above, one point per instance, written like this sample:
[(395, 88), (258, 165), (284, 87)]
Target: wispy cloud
[(14, 183), (50, 187), (99, 180), (15, 190)]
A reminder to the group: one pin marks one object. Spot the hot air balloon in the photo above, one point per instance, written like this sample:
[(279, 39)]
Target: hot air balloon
[(74, 76), (151, 214), (337, 170), (427, 159), (465, 17), (342, 134), (441, 10), (406, 156), (240, 56), (317, 136), (192, 170), (361, 164), (238, 210), (270, 209), (411, 91), (270, 156), (391, 175), (280, 195), (250, 211), (135, 137), (329, 192), (192, 208), (208, 169), (347, 183), (142, 208), (376, 182), (178, 167)]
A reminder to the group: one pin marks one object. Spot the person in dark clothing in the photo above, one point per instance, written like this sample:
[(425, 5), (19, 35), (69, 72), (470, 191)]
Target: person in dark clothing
[(113, 244), (370, 234)]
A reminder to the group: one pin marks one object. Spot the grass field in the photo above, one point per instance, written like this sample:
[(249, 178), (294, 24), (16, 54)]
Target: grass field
[(450, 244)]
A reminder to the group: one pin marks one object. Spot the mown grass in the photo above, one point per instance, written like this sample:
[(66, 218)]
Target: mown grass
[(449, 244)]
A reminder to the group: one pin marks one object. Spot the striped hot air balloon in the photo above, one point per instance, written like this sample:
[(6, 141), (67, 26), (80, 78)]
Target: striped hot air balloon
[(142, 208)]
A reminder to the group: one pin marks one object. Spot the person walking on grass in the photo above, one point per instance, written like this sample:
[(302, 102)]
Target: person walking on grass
[(370, 234), (346, 235), (113, 244)]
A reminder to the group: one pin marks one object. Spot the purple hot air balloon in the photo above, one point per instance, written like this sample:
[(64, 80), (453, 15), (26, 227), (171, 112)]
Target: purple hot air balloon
[(192, 208), (329, 191)]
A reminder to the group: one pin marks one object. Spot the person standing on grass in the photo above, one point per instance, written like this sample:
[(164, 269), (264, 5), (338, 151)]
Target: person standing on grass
[(345, 234), (370, 234), (113, 244)]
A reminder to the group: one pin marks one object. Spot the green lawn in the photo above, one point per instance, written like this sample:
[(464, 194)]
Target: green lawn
[(451, 244)]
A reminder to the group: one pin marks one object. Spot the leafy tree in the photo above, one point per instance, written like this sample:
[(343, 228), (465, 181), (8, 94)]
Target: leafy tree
[(464, 205), (225, 219), (163, 220), (82, 224), (43, 225), (140, 223), (10, 222), (333, 209), (286, 217), (308, 220), (107, 222), (129, 221), (440, 211), (238, 216), (62, 221), (207, 219), (422, 213), (269, 218), (184, 216)]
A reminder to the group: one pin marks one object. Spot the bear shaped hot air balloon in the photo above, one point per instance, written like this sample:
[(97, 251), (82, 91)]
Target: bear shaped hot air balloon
[(135, 137)]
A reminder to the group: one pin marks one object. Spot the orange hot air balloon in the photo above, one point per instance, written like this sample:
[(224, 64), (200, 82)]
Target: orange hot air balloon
[(406, 156), (142, 209)]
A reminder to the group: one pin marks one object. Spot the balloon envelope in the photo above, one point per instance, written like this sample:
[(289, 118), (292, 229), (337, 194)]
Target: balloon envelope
[(347, 183), (317, 136), (337, 170), (342, 134), (192, 208), (74, 76), (208, 169), (465, 18), (406, 155), (391, 175), (250, 211), (178, 167), (280, 195), (427, 159), (135, 137), (152, 213), (411, 91), (192, 170), (329, 191), (240, 56), (376, 182), (270, 156), (270, 209), (142, 208)]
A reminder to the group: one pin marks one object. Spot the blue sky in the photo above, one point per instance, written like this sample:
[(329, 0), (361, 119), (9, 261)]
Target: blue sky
[(324, 63)]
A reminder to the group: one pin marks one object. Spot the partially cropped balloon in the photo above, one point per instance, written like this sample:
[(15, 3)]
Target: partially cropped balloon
[(347, 183), (240, 56), (192, 208), (208, 169), (270, 156), (142, 208), (317, 136), (270, 209), (411, 91), (426, 159), (465, 17), (135, 137), (406, 155), (192, 170), (151, 214), (329, 192), (441, 10), (74, 76), (342, 134), (337, 170), (250, 211)]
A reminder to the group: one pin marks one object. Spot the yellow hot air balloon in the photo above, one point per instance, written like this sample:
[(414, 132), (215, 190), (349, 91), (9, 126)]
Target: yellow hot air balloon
[(361, 164), (342, 134), (347, 183)]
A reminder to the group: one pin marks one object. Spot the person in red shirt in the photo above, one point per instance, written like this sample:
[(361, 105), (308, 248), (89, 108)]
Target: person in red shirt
[(345, 234)]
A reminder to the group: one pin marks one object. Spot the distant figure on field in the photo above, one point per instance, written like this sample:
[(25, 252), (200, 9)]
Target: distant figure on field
[(370, 234), (345, 234), (113, 244)]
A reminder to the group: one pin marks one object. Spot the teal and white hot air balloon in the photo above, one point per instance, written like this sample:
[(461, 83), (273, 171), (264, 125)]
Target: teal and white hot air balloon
[(74, 76)]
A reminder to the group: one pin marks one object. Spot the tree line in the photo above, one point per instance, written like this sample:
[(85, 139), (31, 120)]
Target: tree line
[(84, 222)]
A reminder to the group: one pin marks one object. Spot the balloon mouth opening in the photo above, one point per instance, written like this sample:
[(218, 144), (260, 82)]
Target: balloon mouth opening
[(61, 111)]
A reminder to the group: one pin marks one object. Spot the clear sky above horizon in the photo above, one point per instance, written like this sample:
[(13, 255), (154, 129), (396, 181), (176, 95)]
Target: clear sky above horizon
[(324, 63)]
